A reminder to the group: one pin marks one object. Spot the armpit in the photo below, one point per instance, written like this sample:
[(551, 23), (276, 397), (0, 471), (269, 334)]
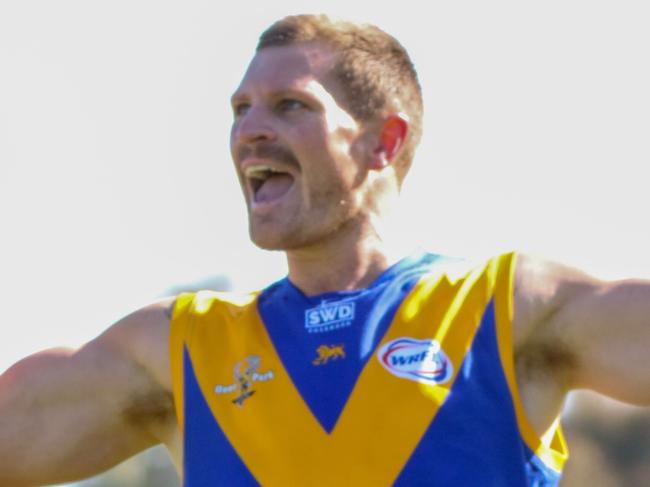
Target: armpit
[(155, 408), (535, 361)]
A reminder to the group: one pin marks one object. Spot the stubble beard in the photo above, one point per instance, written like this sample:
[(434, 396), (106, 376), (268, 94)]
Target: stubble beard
[(269, 235), (305, 228)]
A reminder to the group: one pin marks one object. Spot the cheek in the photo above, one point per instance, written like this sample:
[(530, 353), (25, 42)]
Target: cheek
[(351, 166), (342, 142), (233, 134), (330, 159), (233, 143), (332, 185), (308, 135)]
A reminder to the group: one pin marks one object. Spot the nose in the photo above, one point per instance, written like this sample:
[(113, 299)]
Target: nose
[(253, 126)]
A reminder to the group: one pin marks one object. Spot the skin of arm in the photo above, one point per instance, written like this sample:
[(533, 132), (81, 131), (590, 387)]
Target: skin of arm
[(69, 414), (573, 331)]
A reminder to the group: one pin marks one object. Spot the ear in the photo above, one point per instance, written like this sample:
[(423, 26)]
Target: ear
[(392, 135)]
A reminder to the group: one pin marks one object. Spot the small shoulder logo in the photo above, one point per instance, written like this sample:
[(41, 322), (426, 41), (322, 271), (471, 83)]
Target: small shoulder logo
[(329, 316), (244, 379), (328, 352), (418, 360)]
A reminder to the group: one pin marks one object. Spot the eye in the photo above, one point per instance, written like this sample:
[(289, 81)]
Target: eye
[(289, 104), (240, 109)]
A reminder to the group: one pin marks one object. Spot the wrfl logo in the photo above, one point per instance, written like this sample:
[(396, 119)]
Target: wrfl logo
[(329, 316), (422, 361)]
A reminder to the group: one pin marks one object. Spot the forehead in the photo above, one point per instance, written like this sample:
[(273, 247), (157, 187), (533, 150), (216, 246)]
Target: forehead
[(288, 67)]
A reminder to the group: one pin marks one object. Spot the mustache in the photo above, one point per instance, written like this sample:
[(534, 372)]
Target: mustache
[(265, 150)]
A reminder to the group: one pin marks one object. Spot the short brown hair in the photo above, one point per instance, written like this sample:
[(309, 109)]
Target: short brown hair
[(373, 68)]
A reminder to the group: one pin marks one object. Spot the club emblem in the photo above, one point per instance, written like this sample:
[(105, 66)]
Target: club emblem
[(328, 352), (245, 373)]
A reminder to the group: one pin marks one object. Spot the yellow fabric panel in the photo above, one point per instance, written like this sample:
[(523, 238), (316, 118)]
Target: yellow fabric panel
[(178, 330), (553, 453)]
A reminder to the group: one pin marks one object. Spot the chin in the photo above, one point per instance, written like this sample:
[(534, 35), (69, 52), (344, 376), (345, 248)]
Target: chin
[(268, 245), (292, 233), (271, 240), (281, 239)]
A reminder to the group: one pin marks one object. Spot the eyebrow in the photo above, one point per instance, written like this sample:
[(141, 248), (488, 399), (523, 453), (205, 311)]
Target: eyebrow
[(236, 97), (305, 94)]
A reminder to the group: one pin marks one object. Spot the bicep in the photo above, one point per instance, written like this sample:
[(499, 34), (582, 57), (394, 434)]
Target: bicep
[(68, 414)]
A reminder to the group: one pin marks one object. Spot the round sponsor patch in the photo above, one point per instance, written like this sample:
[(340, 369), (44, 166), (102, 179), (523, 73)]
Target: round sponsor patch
[(418, 360)]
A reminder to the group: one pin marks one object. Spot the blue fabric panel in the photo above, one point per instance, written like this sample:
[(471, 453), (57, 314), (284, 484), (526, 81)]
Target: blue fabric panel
[(326, 388), (474, 439), (209, 459), (539, 475)]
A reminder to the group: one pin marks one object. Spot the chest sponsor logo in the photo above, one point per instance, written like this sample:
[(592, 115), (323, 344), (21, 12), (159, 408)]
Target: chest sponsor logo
[(245, 373), (418, 360), (329, 316), (325, 353)]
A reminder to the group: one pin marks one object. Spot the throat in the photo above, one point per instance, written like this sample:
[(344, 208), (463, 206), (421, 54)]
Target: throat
[(338, 272)]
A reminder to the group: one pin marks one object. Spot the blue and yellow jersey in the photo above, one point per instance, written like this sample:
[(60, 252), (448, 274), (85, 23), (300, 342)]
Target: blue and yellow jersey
[(408, 382)]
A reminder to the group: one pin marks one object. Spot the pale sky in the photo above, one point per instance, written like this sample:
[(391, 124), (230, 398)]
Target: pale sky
[(116, 181)]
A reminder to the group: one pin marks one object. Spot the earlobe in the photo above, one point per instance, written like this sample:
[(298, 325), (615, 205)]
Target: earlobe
[(379, 159), (391, 138)]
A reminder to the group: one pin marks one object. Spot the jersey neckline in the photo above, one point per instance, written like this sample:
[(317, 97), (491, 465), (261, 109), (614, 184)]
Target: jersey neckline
[(415, 260)]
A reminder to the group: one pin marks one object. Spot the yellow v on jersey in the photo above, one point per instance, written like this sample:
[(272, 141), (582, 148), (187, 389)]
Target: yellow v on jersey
[(408, 382)]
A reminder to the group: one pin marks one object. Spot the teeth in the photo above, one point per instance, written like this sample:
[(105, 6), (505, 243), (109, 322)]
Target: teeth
[(259, 172)]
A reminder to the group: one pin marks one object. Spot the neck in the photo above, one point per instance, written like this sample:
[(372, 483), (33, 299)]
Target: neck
[(344, 264)]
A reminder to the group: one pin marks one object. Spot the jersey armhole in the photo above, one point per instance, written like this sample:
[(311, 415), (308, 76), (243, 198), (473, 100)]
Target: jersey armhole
[(551, 446), (179, 330)]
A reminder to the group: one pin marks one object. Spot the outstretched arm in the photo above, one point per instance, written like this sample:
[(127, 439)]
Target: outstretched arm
[(586, 332), (69, 414)]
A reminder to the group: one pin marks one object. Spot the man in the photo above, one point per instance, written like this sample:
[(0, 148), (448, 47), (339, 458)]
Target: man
[(358, 369)]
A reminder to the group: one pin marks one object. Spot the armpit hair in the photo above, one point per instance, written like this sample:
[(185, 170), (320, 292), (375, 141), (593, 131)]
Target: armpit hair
[(537, 360), (154, 408)]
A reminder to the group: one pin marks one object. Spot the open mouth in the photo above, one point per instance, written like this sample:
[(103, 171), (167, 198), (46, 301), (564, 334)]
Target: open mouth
[(267, 183)]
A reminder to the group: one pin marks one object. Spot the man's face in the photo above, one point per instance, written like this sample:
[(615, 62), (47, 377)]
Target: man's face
[(298, 152)]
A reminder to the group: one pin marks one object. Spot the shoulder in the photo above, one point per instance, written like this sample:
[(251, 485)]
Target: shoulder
[(188, 306), (543, 290), (141, 338)]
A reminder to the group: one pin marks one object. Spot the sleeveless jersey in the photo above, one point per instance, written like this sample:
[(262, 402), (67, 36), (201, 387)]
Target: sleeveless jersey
[(408, 382)]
